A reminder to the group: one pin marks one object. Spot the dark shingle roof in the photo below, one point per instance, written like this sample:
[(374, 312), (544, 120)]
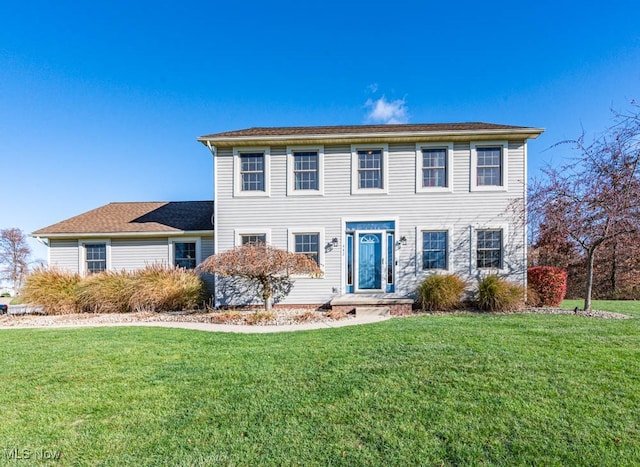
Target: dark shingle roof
[(138, 217), (359, 134), (361, 129)]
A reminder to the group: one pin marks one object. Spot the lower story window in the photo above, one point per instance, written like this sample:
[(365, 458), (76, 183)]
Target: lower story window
[(253, 239), (96, 257), (308, 244), (185, 255), (434, 249), (489, 248)]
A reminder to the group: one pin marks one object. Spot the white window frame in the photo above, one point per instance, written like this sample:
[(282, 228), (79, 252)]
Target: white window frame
[(238, 233), (474, 247), (504, 162), (355, 190), (449, 168), (172, 248), (291, 178), (291, 241), (82, 267), (434, 228), (237, 170)]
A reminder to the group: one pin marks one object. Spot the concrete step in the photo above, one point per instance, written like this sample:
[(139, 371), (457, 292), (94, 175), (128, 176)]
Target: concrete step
[(372, 311)]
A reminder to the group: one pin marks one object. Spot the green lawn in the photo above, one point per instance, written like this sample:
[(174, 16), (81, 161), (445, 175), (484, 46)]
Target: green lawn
[(448, 389)]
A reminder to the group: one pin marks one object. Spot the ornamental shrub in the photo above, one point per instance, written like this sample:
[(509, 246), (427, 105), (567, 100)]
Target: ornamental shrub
[(440, 292), (496, 294), (549, 283)]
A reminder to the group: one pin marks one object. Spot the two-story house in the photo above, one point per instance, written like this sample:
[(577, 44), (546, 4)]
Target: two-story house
[(379, 207)]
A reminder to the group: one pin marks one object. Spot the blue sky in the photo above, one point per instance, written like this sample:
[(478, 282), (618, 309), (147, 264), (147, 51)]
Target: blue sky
[(102, 101)]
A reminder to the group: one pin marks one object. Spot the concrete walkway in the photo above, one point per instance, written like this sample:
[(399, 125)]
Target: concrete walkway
[(209, 327)]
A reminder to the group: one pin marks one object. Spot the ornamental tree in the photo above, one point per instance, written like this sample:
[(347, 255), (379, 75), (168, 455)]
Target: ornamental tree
[(265, 266), (595, 198)]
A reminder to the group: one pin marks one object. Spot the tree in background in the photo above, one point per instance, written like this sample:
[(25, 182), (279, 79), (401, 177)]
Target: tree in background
[(14, 256), (267, 267), (593, 202)]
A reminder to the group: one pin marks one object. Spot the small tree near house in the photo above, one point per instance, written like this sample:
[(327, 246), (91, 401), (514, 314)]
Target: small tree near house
[(267, 267)]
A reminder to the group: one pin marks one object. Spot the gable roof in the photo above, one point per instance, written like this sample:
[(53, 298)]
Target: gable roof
[(391, 133), (138, 218)]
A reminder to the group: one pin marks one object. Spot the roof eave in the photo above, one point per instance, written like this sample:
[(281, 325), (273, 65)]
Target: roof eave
[(358, 138), (79, 235)]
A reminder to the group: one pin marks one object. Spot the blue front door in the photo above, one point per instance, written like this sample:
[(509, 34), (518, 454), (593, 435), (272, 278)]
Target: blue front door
[(370, 260)]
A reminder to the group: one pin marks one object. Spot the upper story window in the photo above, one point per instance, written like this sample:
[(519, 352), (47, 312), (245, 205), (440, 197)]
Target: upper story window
[(184, 255), (434, 167), (489, 248), (95, 257), (489, 169), (251, 171), (305, 170), (369, 169), (489, 166)]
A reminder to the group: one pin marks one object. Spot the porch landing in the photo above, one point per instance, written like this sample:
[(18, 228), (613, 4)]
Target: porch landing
[(367, 305)]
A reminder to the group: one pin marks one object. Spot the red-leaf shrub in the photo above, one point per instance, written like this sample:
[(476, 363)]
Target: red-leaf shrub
[(550, 283)]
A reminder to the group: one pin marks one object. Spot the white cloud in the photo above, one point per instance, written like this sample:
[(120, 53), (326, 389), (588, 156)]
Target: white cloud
[(383, 111)]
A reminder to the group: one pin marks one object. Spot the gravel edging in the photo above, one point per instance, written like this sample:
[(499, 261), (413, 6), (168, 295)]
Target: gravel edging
[(280, 317), (588, 314), (532, 310)]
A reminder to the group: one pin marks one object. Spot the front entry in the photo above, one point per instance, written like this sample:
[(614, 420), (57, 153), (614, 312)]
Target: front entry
[(370, 258), (370, 261)]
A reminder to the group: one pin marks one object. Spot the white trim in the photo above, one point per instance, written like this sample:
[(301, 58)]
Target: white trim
[(504, 165), (238, 233), (525, 222), (449, 167), (291, 191), (474, 247), (291, 243), (355, 190), (173, 241), (82, 257), (99, 235), (237, 179), (449, 257)]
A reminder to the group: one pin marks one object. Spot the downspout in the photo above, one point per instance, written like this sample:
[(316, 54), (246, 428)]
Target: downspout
[(212, 150)]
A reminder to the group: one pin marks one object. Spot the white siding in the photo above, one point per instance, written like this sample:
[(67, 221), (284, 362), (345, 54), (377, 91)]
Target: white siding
[(64, 254), (136, 253), (461, 209)]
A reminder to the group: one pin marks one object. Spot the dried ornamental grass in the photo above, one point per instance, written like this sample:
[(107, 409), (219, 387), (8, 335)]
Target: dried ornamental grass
[(158, 288), (106, 292), (440, 292), (53, 289), (496, 294)]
